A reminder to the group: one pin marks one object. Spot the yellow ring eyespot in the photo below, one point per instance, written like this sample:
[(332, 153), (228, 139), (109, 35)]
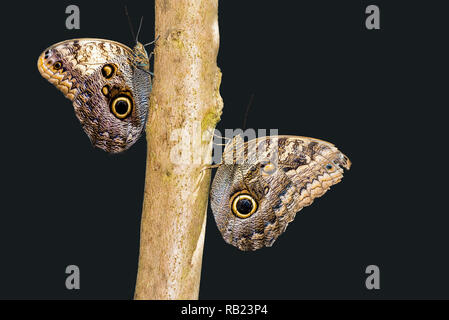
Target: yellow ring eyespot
[(57, 65), (330, 167), (121, 107), (108, 70), (243, 205)]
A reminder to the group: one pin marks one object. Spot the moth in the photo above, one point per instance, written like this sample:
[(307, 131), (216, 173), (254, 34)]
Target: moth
[(108, 83), (261, 185)]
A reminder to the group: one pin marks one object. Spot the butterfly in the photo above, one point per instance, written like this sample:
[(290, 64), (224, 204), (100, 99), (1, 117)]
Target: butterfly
[(261, 184), (108, 83)]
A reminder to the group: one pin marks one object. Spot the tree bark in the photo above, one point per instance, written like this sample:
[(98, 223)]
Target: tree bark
[(185, 106)]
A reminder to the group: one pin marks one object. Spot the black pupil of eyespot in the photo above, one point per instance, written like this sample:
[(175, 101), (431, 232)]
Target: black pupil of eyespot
[(244, 206), (121, 107), (329, 166)]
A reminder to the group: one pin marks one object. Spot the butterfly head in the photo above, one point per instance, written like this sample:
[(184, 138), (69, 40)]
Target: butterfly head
[(141, 59)]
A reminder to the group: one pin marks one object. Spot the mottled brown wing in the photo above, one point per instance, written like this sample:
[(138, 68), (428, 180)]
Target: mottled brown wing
[(109, 94), (282, 174)]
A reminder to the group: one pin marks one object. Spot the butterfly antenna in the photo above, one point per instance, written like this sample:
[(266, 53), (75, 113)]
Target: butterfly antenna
[(251, 99), (140, 26), (216, 135), (130, 24)]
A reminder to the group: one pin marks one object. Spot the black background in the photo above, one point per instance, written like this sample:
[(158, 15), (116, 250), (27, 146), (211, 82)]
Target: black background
[(315, 71)]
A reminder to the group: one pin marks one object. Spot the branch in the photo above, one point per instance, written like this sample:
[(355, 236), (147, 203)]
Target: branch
[(185, 106)]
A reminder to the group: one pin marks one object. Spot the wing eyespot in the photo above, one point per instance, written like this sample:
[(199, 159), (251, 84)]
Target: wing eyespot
[(121, 106), (268, 168), (243, 205), (105, 90), (57, 65), (108, 70)]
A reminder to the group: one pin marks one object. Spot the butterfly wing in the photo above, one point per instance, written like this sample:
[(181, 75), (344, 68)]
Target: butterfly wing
[(282, 174), (109, 94)]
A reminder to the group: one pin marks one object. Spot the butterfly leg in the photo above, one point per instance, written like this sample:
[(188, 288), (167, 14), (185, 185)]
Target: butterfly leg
[(211, 166)]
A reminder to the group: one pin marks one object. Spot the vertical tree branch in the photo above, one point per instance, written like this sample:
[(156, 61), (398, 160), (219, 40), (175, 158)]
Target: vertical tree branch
[(185, 106)]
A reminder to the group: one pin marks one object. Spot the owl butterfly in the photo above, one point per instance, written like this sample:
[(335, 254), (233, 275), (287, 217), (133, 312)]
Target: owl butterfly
[(108, 83), (261, 185)]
